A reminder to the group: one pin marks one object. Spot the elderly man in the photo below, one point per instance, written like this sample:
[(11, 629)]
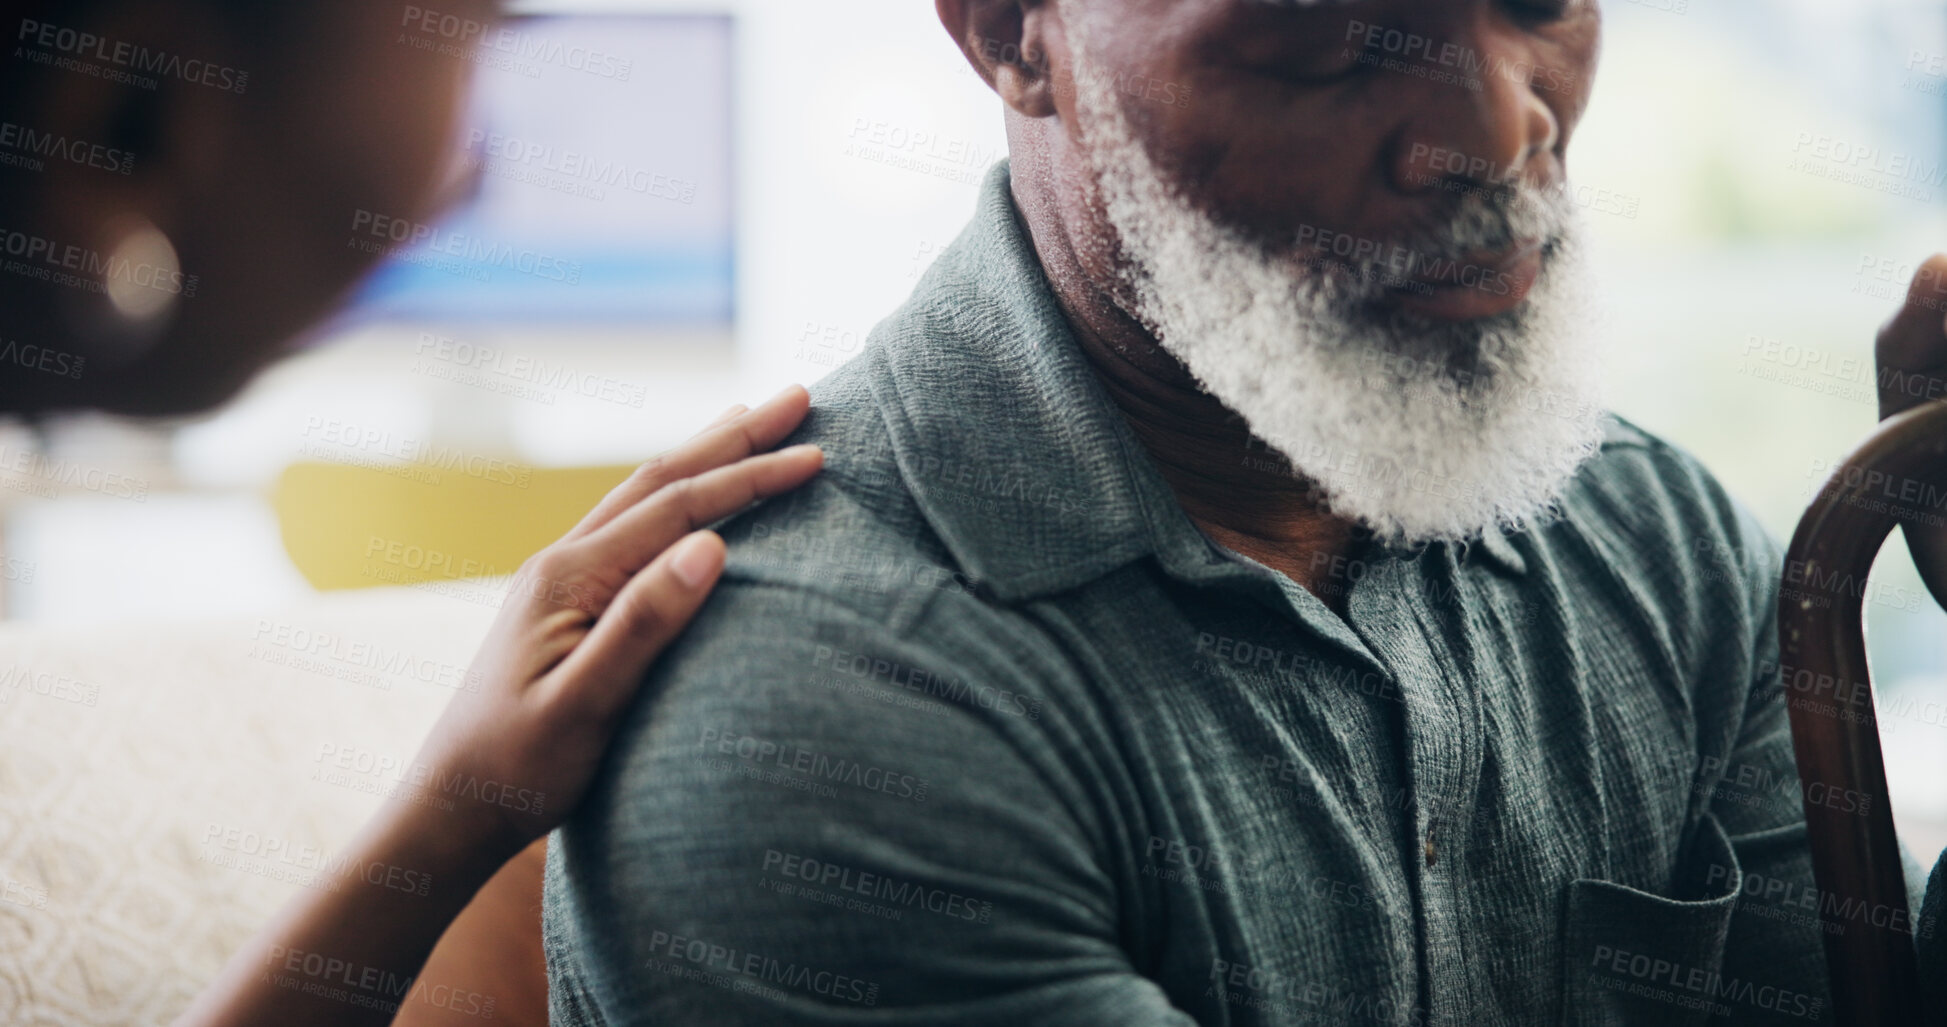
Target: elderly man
[(1226, 600)]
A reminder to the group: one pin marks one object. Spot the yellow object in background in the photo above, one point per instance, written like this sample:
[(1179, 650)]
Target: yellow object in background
[(348, 526)]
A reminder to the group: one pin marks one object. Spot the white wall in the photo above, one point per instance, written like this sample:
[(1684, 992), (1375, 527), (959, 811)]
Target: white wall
[(828, 238)]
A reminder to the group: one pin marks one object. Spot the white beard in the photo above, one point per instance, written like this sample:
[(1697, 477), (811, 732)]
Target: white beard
[(1363, 403)]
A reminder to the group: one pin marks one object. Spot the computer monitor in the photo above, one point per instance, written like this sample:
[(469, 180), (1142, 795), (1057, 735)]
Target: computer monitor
[(598, 176)]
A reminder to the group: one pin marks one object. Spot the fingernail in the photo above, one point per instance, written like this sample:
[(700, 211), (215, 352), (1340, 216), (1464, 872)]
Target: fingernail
[(695, 559), (782, 393)]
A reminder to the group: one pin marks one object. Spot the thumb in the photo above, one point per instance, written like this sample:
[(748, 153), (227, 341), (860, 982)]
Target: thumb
[(1912, 346), (603, 672)]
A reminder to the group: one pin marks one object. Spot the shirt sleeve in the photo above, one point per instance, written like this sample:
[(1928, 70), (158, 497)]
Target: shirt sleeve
[(1932, 948), (814, 819), (1776, 936)]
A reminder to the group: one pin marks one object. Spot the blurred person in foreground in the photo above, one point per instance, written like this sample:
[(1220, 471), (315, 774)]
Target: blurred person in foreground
[(176, 179), (1228, 600)]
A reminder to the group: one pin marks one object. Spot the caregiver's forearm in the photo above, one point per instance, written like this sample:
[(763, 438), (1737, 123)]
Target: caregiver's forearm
[(350, 951)]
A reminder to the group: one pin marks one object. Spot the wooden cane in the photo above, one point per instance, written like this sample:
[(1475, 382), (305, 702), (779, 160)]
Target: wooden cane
[(1899, 475)]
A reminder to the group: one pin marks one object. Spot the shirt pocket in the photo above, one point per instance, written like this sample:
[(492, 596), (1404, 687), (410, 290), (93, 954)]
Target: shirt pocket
[(1631, 957)]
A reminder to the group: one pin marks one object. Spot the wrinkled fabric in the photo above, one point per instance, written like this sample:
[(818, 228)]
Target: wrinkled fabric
[(979, 728)]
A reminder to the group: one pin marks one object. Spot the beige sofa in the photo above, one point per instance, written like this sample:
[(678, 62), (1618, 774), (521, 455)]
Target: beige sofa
[(164, 788)]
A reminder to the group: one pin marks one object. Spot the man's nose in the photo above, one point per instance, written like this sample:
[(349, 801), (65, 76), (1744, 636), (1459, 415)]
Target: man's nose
[(1485, 127)]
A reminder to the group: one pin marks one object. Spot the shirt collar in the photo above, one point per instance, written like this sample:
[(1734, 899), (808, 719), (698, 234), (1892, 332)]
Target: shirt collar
[(1499, 550), (1012, 450)]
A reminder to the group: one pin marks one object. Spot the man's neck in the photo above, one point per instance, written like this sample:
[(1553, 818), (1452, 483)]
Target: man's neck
[(1242, 494)]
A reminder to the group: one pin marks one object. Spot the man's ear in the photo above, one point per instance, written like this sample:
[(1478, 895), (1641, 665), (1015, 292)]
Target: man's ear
[(1005, 41)]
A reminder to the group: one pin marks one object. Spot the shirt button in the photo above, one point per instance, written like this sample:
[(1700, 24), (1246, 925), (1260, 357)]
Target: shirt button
[(1432, 854)]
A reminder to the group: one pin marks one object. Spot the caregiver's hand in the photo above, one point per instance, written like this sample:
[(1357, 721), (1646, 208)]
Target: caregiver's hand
[(585, 616), (518, 745), (1912, 357)]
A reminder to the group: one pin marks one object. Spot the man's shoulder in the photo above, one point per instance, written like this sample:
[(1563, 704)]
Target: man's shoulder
[(1662, 521), (1643, 483), (1628, 447), (842, 661), (847, 574), (853, 538)]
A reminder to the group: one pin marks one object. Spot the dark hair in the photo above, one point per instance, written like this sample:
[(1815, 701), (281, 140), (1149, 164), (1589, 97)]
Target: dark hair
[(255, 22), (250, 23)]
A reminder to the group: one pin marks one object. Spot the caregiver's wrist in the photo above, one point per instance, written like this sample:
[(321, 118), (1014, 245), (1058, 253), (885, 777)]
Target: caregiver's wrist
[(438, 854)]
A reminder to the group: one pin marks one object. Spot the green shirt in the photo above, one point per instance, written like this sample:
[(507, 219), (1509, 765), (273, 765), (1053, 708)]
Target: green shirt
[(980, 728)]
